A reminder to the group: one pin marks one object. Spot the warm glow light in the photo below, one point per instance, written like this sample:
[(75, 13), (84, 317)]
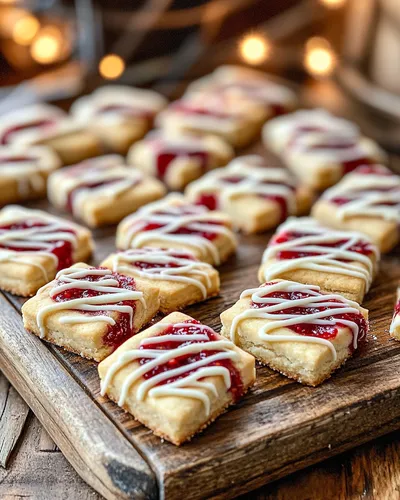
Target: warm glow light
[(319, 58), (111, 66), (334, 4), (254, 49), (47, 46), (25, 29)]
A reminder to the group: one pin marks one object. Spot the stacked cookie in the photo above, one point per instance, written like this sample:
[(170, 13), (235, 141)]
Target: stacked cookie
[(303, 316)]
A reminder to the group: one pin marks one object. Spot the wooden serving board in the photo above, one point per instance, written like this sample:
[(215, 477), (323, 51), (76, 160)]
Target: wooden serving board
[(279, 427)]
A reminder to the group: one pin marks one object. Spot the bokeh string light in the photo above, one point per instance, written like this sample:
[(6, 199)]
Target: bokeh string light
[(333, 4), (25, 29), (319, 58), (111, 66), (254, 49), (47, 47)]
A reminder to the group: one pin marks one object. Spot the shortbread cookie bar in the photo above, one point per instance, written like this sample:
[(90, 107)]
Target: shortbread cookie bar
[(118, 115), (177, 376), (395, 324), (337, 261), (24, 171), (102, 190), (176, 224), (248, 85), (181, 279), (366, 200), (46, 125), (34, 245), (319, 154), (256, 196), (295, 329), (211, 114), (178, 159), (90, 310)]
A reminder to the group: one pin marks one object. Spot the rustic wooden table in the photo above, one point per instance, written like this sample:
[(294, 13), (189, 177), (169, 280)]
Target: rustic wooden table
[(36, 469)]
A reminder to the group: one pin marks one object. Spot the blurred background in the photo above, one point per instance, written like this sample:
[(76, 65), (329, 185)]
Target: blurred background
[(339, 53)]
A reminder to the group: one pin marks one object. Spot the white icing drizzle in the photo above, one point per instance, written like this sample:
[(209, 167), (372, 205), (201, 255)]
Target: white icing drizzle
[(317, 240), (257, 180), (243, 83), (396, 316), (334, 304), (59, 124), (41, 238), (192, 385), (110, 294), (278, 133), (365, 195), (109, 168), (29, 173), (173, 218), (141, 102), (184, 270)]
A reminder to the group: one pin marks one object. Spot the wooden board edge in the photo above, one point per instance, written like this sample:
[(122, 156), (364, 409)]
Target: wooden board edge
[(93, 445)]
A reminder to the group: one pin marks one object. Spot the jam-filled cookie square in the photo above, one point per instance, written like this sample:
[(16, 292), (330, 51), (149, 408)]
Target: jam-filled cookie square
[(102, 190), (177, 376), (337, 261), (182, 279), (178, 159), (24, 171), (295, 329), (366, 200), (89, 310), (174, 223), (34, 245), (256, 197), (118, 115), (320, 148), (46, 125)]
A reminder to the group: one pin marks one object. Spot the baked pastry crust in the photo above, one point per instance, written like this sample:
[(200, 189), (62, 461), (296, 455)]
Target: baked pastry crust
[(24, 171), (254, 87), (92, 336), (178, 159), (181, 279), (54, 242), (175, 224), (179, 409), (366, 200), (338, 262), (102, 190), (257, 198), (46, 125), (293, 343), (320, 148), (395, 324), (118, 115)]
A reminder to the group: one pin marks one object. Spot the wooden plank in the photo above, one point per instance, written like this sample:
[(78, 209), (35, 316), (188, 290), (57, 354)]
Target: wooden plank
[(90, 441), (13, 414)]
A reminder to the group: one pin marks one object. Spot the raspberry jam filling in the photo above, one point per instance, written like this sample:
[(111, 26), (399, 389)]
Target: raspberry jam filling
[(212, 200), (17, 159), (362, 247), (163, 265), (120, 332), (7, 136), (182, 229), (88, 185), (124, 109), (164, 160), (314, 330), (180, 332), (188, 109), (62, 249)]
